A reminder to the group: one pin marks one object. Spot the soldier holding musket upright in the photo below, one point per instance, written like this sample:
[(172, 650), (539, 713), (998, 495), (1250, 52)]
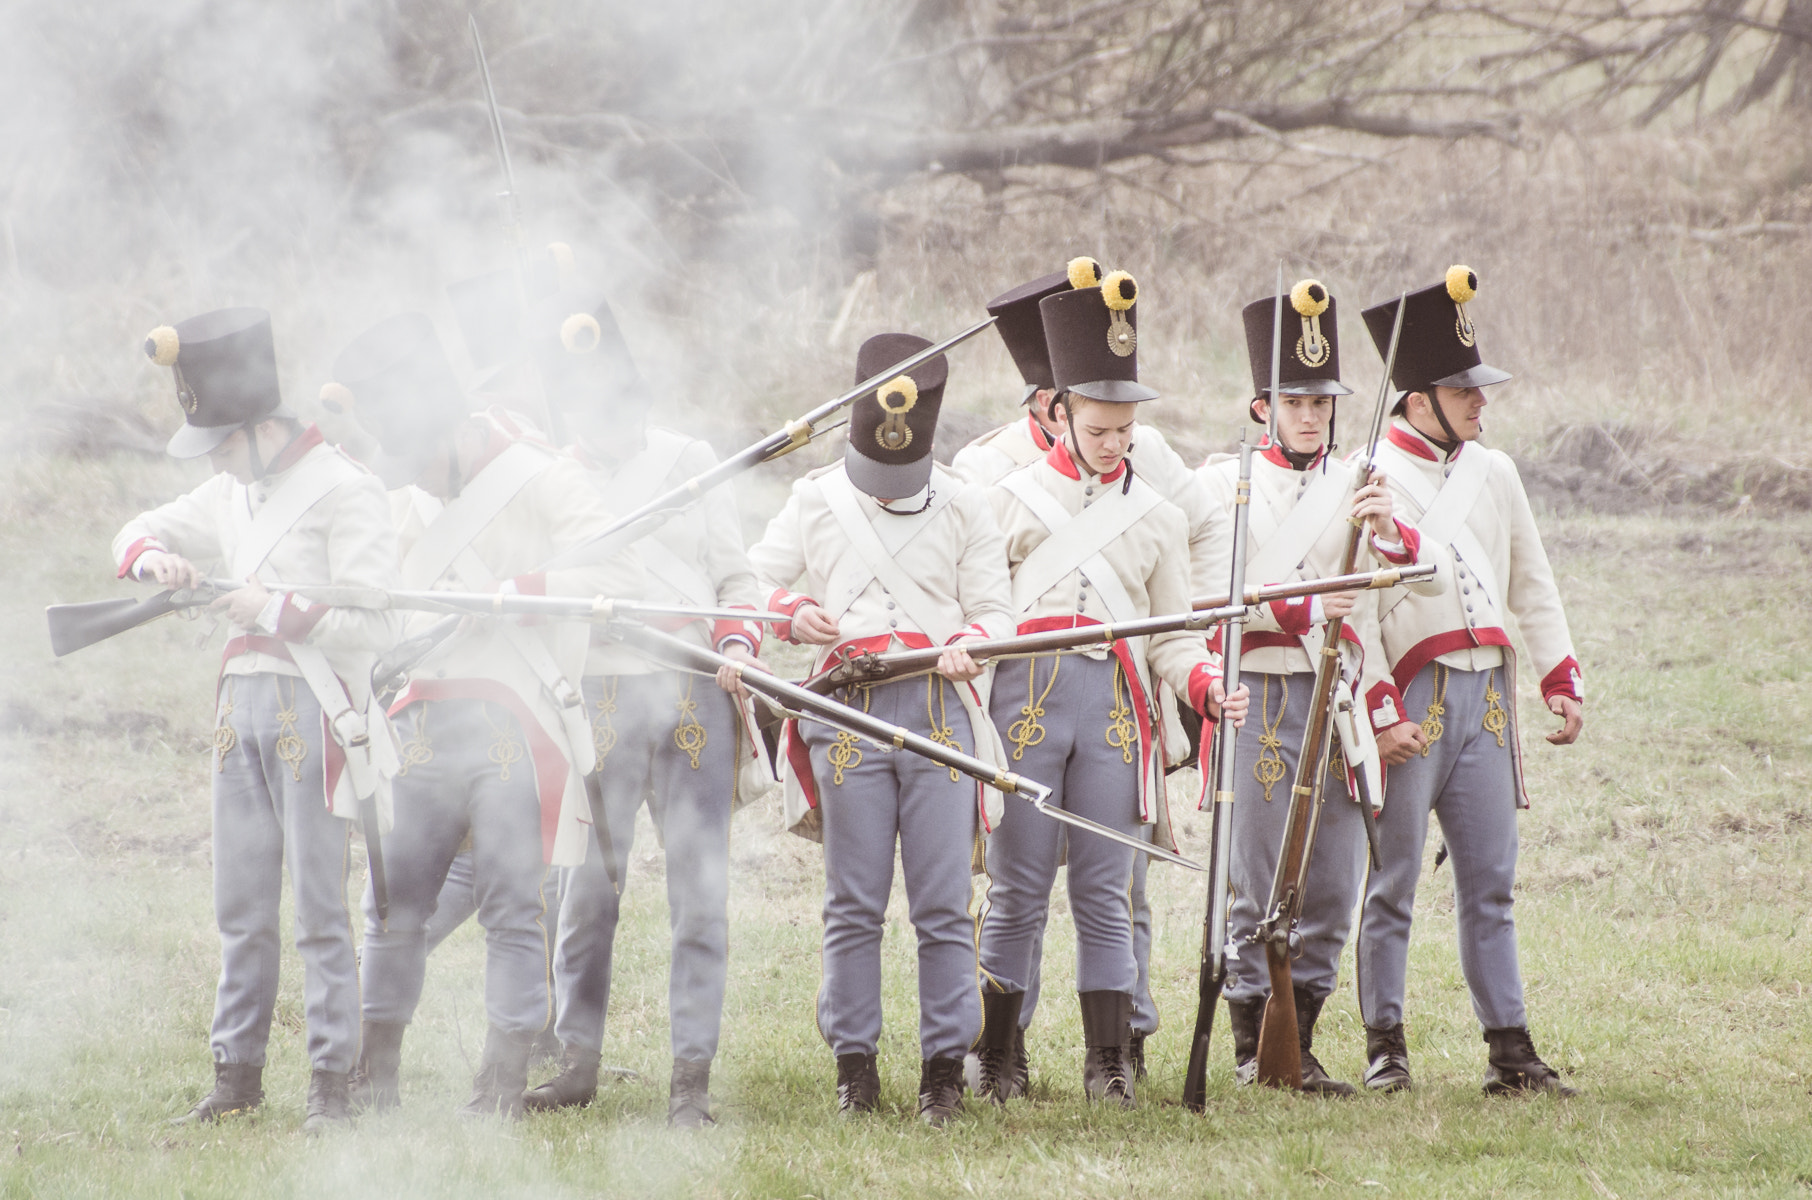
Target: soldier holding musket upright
[(1019, 443), (1299, 528), (662, 736), (1088, 542), (894, 553), (494, 738), (293, 699), (1452, 664)]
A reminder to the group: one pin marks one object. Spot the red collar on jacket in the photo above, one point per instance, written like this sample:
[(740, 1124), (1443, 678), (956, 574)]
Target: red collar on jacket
[(1275, 455), (1059, 458), (292, 454), (1408, 439), (1040, 438)]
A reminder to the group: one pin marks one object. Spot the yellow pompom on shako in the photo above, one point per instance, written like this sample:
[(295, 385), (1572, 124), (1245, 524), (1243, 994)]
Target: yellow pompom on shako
[(1084, 272), (1463, 285), (162, 346), (580, 334), (1120, 291), (1309, 298), (896, 397), (336, 397)]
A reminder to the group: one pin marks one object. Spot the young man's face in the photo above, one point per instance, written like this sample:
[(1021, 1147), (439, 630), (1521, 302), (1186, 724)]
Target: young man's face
[(1103, 430), (230, 457), (1302, 421), (1463, 407)]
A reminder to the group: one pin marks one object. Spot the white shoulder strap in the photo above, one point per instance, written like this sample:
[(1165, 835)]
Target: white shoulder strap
[(1079, 548), (306, 486), (466, 516), (1445, 511), (1284, 547), (866, 544), (642, 477)]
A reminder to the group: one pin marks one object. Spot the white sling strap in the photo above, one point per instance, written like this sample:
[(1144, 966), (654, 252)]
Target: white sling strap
[(1079, 547), (467, 515), (1445, 510), (1284, 546), (866, 544), (305, 486), (644, 476)]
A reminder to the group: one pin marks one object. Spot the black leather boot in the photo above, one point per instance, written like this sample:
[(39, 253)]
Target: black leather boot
[(990, 1067), (1387, 1059), (1106, 1026), (575, 1085), (1514, 1068), (329, 1107), (940, 1091), (1018, 1080), (1315, 1078), (689, 1094), (1245, 1017), (376, 1080), (858, 1083), (238, 1087), (547, 1048), (1135, 1055), (502, 1078)]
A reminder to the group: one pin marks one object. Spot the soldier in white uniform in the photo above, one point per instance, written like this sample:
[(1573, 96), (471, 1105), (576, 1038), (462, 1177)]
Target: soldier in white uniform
[(1453, 689), (495, 743), (893, 552), (1019, 443), (1087, 541), (283, 508), (665, 738), (1300, 523)]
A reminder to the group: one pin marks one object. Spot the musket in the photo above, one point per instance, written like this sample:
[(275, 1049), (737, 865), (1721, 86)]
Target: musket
[(795, 700), (870, 668), (1279, 1048), (75, 626), (1359, 581)]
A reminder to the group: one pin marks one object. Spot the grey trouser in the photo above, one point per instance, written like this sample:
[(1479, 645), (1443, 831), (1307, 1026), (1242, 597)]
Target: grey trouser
[(638, 725), (458, 899), (1336, 867), (869, 797), (1145, 1009), (476, 778), (1468, 781), (1064, 746), (269, 811)]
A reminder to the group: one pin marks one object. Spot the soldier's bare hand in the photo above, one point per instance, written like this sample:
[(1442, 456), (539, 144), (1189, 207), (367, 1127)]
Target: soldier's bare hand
[(170, 570), (243, 605), (729, 678), (815, 627), (1229, 708), (955, 663), (1400, 743), (1373, 503), (1338, 605), (1568, 710)]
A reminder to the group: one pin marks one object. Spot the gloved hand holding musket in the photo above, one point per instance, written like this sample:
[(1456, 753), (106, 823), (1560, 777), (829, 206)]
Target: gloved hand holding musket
[(796, 700), (875, 668)]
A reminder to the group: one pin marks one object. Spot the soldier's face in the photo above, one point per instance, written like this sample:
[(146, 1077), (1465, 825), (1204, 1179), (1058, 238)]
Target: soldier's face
[(1302, 421), (1103, 430), (230, 457), (1465, 409)]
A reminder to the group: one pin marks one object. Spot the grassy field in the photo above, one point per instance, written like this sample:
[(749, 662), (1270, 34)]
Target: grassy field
[(1665, 891)]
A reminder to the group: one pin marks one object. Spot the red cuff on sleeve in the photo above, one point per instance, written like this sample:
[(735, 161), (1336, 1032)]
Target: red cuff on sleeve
[(532, 584), (783, 601), (1563, 680), (1384, 704), (1199, 679), (298, 618), (728, 630), (1292, 616), (967, 631), (1412, 544), (132, 554)]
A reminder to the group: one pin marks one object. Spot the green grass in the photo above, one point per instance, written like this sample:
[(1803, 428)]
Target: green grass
[(1664, 915)]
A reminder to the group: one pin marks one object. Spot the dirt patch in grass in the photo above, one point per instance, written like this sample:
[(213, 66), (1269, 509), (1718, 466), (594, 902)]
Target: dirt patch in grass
[(1617, 468)]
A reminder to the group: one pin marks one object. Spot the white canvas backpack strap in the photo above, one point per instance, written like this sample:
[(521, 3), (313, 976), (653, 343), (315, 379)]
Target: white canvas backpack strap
[(1445, 511), (865, 543), (364, 738), (1079, 548), (568, 702), (306, 486), (643, 475), (1282, 548), (466, 516)]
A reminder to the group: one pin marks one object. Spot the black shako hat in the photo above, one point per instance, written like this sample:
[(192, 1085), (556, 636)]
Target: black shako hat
[(892, 427), (1021, 326), (396, 380), (1094, 341), (1310, 364), (226, 375), (582, 355), (1438, 345), (488, 309)]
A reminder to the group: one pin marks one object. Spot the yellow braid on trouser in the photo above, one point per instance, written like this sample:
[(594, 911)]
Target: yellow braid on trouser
[(844, 754), (689, 736), (1432, 729), (1028, 731), (1270, 769), (290, 746), (603, 732), (941, 732), (418, 749), (1122, 733), (506, 750), (225, 738), (1496, 720)]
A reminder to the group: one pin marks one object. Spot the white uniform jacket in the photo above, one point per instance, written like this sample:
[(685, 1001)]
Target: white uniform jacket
[(317, 517), (1120, 553), (1298, 528), (521, 507), (1473, 506), (921, 580)]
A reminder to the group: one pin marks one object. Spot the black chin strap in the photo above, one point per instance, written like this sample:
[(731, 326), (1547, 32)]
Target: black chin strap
[(930, 495), (1453, 439)]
